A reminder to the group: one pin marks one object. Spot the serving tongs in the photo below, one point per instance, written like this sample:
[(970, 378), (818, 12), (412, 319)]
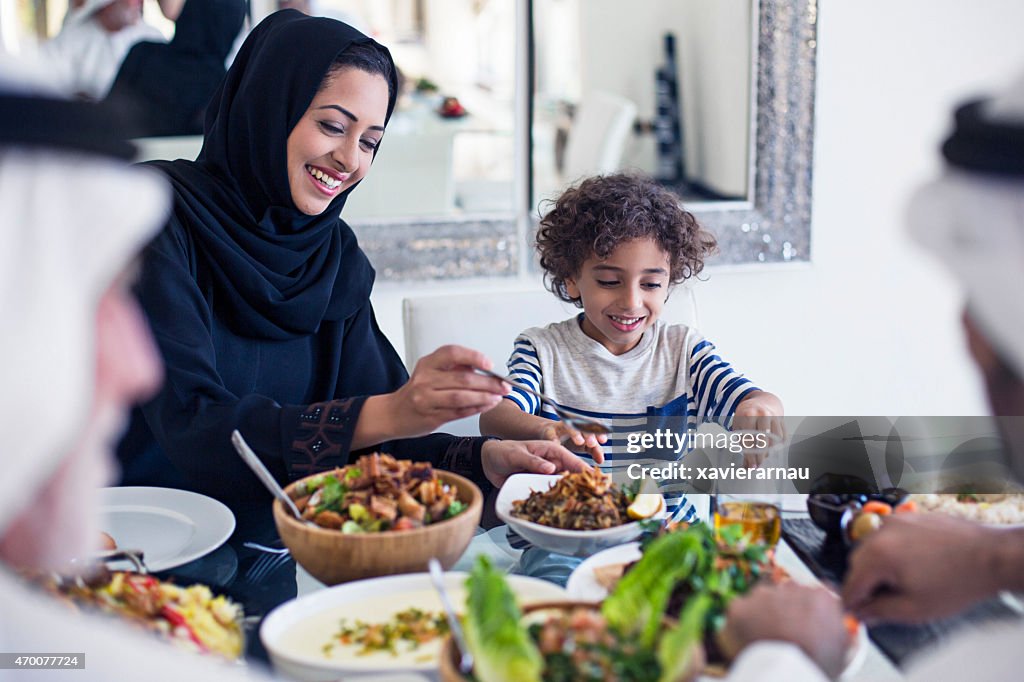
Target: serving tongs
[(135, 556), (581, 424), (90, 566)]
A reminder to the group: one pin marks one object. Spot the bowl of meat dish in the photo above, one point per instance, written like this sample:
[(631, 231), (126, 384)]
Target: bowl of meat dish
[(379, 516), (575, 514)]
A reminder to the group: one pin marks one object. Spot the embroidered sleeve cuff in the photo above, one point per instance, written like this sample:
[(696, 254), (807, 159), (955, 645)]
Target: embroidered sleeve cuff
[(464, 457), (321, 436)]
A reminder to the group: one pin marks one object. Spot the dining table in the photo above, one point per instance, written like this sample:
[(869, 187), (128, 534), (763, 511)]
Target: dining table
[(253, 569)]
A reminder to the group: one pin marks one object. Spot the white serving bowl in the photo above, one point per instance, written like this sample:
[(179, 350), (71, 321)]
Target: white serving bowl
[(579, 543), (295, 632)]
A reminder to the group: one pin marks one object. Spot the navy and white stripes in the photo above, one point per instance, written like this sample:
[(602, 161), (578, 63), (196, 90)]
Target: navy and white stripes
[(673, 377)]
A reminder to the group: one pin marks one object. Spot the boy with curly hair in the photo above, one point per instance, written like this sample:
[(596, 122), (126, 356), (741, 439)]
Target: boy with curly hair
[(615, 245)]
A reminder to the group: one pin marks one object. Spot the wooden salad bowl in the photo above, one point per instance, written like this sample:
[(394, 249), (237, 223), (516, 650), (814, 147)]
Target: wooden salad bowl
[(334, 557)]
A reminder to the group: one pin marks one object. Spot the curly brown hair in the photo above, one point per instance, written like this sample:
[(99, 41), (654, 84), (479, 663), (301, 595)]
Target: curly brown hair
[(602, 212)]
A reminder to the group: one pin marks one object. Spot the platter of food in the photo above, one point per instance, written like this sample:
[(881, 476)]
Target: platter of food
[(171, 527), (997, 509), (191, 617), (379, 625), (575, 514), (730, 564)]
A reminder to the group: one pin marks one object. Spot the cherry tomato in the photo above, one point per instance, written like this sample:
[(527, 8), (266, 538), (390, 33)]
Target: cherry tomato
[(877, 507), (907, 507)]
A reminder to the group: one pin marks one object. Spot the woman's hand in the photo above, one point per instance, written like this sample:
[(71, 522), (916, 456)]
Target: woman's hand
[(560, 432), (502, 458), (443, 387)]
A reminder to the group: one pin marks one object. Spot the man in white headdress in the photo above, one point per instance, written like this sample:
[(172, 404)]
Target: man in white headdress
[(920, 567), (84, 57), (74, 355)]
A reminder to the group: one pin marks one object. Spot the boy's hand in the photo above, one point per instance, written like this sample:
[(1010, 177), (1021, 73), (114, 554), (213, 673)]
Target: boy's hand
[(560, 432), (759, 411)]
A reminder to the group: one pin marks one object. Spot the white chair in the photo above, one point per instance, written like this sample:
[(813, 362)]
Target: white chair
[(597, 138), (490, 322), (168, 148)]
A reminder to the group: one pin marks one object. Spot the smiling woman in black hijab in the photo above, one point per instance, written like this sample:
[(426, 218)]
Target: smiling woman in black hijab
[(258, 293)]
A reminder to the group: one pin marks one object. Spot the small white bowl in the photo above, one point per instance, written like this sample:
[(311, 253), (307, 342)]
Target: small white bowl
[(579, 543)]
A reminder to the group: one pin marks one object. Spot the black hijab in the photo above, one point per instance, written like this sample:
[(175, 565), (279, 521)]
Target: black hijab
[(277, 272), (166, 86)]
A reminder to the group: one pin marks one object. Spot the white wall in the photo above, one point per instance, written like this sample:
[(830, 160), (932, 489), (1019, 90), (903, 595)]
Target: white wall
[(871, 326)]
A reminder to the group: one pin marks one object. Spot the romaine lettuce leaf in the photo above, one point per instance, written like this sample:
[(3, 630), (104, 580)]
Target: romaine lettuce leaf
[(639, 600), (501, 646)]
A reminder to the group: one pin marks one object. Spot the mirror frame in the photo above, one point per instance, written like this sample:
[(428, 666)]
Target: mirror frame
[(776, 227), (773, 228)]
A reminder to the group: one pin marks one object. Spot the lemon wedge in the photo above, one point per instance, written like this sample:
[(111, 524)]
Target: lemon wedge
[(644, 506)]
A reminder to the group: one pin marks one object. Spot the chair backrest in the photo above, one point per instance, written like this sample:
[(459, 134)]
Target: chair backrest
[(600, 128), (169, 148), (490, 322)]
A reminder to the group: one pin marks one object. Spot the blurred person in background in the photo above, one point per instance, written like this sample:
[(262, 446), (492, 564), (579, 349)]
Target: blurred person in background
[(163, 88), (84, 57)]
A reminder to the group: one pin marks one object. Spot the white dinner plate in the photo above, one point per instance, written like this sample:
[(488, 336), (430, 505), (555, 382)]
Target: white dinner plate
[(296, 632), (579, 543), (583, 586), (172, 527)]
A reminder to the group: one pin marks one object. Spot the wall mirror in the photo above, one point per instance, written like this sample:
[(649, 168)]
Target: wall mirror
[(713, 98), (745, 83), (664, 87), (456, 196)]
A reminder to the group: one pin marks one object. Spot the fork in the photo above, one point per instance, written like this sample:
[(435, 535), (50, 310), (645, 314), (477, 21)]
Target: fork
[(581, 424), (268, 562)]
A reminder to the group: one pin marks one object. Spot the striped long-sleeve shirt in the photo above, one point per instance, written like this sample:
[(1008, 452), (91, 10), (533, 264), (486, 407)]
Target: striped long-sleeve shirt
[(672, 379)]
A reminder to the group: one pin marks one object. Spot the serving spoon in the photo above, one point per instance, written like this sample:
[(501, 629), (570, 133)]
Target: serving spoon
[(581, 424), (437, 578), (262, 473)]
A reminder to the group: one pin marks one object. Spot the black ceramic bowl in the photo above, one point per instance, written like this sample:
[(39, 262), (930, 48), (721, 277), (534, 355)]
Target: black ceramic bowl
[(826, 511), (832, 494)]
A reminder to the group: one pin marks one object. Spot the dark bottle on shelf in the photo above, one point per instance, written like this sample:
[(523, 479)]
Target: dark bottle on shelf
[(668, 130)]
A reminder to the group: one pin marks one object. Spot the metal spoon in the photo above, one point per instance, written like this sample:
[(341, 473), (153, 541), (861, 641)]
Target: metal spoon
[(437, 578), (258, 468), (581, 424)]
